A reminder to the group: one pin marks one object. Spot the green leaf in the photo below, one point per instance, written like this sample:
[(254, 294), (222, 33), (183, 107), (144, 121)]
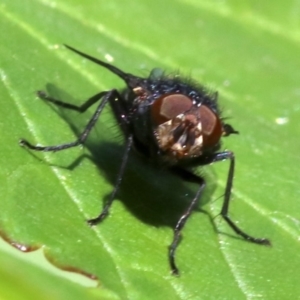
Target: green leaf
[(248, 51), (27, 280)]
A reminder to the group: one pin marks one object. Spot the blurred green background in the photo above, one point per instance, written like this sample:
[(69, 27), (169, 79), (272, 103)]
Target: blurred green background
[(248, 51)]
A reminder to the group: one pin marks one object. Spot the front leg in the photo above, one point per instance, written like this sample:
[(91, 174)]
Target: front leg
[(191, 177), (225, 207)]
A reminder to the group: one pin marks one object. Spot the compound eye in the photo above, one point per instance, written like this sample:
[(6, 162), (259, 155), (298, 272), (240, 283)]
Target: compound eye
[(211, 127), (169, 106)]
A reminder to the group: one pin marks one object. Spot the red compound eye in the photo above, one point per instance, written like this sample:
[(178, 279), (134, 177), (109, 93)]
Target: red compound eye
[(211, 127), (169, 106)]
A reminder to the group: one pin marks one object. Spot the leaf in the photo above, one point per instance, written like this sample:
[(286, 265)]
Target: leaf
[(248, 51), (35, 283)]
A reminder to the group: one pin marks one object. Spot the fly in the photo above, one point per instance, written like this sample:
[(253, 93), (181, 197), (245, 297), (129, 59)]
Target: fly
[(172, 122)]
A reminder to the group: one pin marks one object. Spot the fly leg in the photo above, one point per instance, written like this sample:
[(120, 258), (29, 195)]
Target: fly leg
[(191, 177), (225, 207), (105, 96)]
